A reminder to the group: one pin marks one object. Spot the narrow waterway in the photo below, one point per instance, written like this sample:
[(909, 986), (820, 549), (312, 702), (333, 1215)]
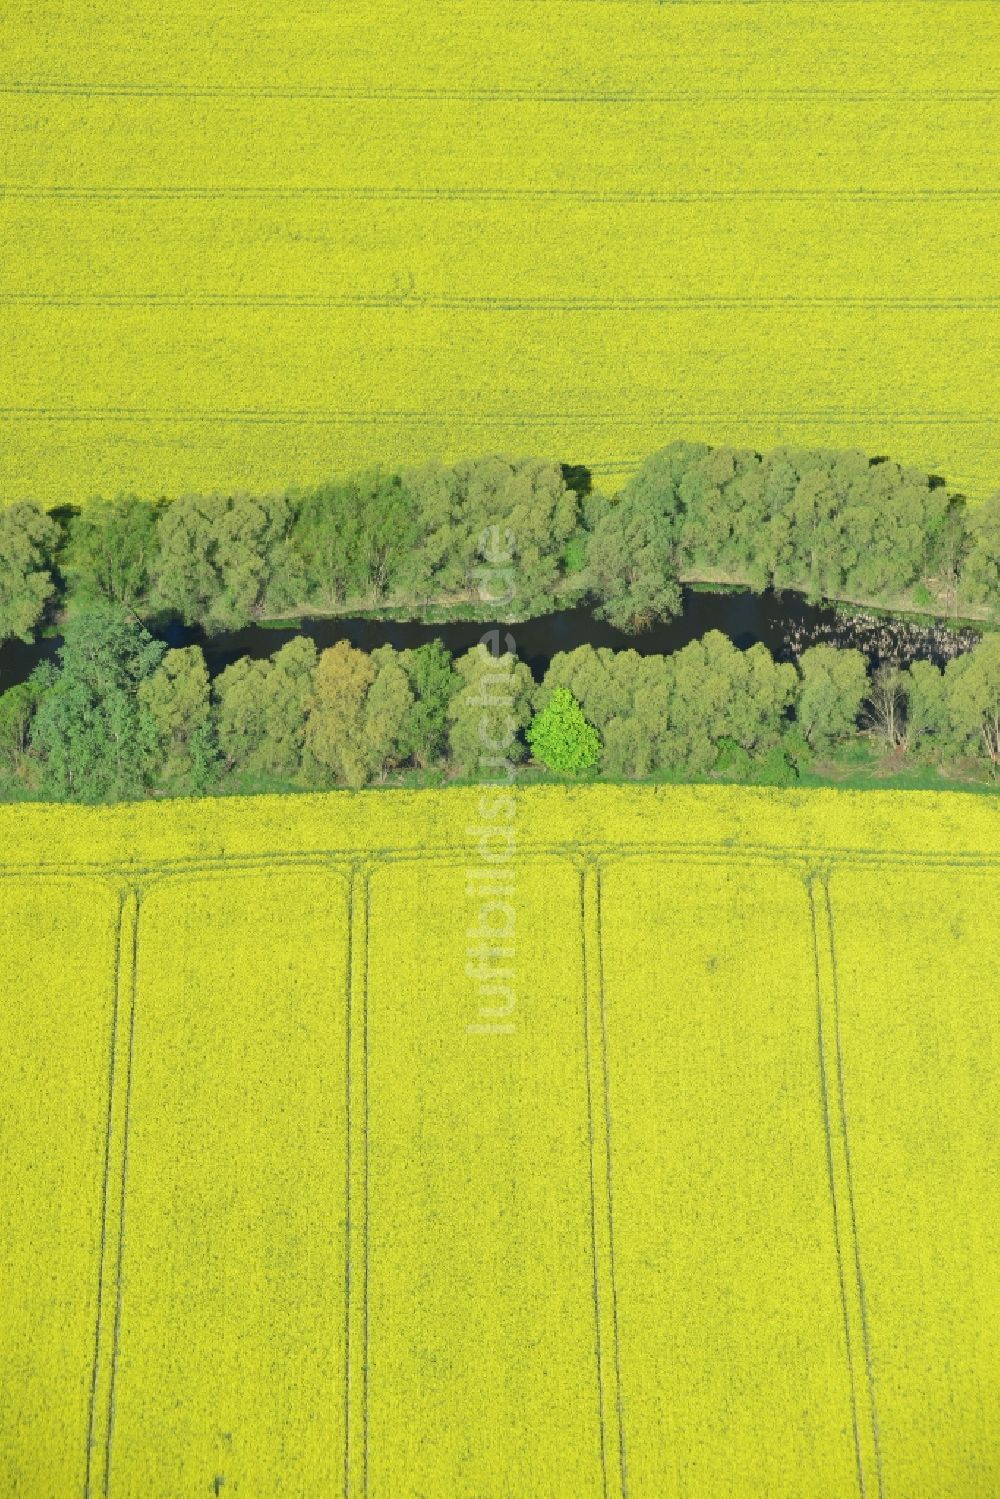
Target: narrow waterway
[(785, 623)]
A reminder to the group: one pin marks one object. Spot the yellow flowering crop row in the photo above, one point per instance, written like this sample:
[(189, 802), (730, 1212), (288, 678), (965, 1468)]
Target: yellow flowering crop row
[(617, 1143), (918, 975), (734, 1371), (58, 941), (482, 1328), (231, 1347), (245, 250)]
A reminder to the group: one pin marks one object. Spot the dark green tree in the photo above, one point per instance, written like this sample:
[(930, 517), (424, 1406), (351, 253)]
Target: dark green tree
[(489, 712), (353, 540), (433, 683), (18, 706), (927, 719), (634, 553), (980, 581), (222, 558), (94, 741), (972, 688), (261, 710)]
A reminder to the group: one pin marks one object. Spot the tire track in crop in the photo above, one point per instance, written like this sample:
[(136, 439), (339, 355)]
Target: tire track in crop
[(845, 1138), (609, 1179), (478, 194), (484, 94), (418, 302), (125, 915), (864, 1422), (348, 985), (357, 1258), (457, 855), (116, 1335), (261, 416), (599, 1216), (832, 1184)]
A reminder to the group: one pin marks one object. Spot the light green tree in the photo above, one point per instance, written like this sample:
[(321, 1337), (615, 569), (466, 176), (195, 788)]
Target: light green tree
[(560, 737), (832, 687), (176, 701)]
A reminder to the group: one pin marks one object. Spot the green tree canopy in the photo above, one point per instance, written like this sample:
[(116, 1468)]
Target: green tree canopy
[(560, 737), (489, 711), (981, 575), (352, 539), (110, 550), (433, 682), (93, 739), (28, 539), (262, 707), (832, 687), (335, 729), (972, 687), (176, 702), (220, 558)]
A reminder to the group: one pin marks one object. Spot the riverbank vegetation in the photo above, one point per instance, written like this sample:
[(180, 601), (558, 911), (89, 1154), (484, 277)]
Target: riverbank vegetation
[(121, 716), (514, 537)]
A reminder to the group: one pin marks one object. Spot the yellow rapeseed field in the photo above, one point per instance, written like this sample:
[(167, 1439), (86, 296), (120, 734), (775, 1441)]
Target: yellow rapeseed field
[(609, 1143), (245, 246)]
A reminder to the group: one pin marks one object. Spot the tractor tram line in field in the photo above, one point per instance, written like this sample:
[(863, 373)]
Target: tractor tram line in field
[(830, 938), (809, 856), (106, 1188), (593, 877), (852, 1300), (132, 907), (602, 1215)]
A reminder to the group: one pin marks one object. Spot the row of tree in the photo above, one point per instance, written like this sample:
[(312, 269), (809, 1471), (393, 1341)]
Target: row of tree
[(513, 533), (490, 528), (121, 715), (827, 524)]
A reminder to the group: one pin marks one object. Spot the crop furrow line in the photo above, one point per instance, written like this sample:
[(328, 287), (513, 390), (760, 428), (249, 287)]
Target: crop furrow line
[(845, 1137), (418, 302), (262, 416), (120, 1259), (105, 1196), (609, 1180), (486, 95), (605, 853), (472, 194), (833, 1193)]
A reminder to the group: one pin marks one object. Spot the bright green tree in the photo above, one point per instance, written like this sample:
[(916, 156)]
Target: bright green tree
[(560, 737)]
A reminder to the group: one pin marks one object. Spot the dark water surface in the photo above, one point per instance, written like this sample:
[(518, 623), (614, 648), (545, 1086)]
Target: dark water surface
[(785, 623)]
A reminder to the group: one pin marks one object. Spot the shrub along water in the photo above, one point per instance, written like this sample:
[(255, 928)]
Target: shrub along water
[(122, 717), (828, 524)]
